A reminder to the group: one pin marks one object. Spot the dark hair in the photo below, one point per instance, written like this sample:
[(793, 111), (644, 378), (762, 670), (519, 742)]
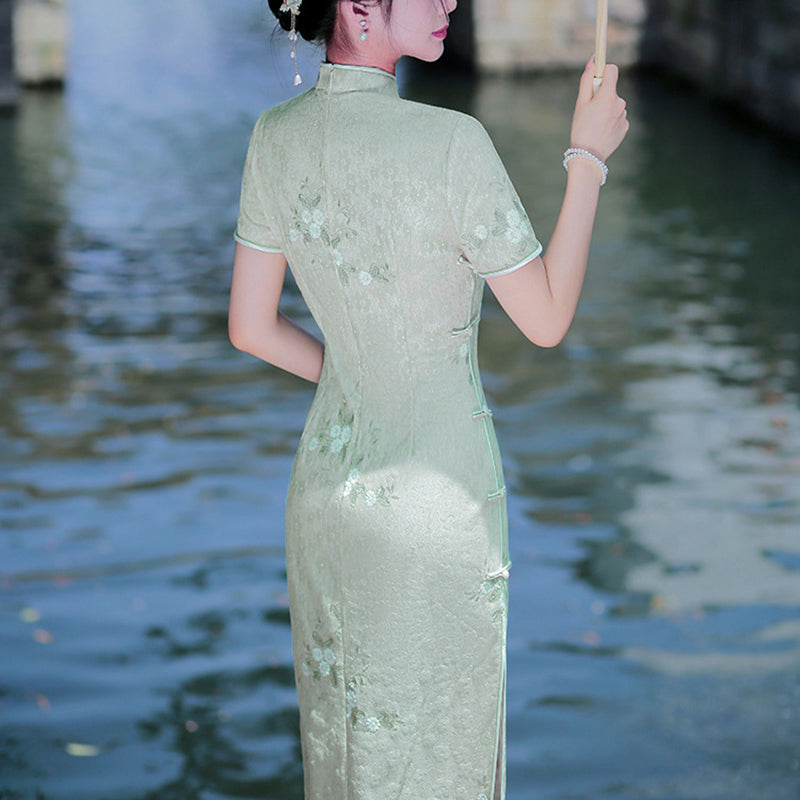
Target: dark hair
[(316, 21)]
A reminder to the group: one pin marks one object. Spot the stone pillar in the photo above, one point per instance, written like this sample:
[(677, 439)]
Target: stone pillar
[(40, 41), (528, 35), (8, 86)]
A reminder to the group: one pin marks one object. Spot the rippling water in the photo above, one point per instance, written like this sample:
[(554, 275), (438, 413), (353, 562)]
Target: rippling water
[(653, 458)]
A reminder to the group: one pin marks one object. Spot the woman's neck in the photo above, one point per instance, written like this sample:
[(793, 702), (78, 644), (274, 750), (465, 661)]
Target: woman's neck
[(363, 60)]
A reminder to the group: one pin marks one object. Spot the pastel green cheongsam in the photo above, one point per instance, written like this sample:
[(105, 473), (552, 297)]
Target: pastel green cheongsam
[(390, 213)]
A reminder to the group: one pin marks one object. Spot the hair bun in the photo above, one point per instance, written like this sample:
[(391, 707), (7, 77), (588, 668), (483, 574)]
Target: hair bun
[(314, 21)]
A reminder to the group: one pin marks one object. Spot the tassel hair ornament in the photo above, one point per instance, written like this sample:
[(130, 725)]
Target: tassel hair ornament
[(293, 6)]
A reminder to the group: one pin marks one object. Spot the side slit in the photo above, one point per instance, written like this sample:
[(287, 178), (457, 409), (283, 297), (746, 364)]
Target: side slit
[(499, 782)]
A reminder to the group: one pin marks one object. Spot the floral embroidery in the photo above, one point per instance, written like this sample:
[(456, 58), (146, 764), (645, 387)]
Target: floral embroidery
[(511, 223), (355, 488), (516, 229), (314, 220), (320, 658), (377, 272), (336, 438), (309, 221), (360, 719), (320, 662), (493, 590)]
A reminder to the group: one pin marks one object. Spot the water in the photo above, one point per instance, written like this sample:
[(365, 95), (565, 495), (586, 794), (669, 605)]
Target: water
[(652, 459)]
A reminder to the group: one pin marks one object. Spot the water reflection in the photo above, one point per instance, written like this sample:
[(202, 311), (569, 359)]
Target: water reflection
[(652, 458)]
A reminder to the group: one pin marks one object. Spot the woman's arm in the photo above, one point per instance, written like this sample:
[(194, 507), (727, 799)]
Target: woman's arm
[(541, 296), (254, 323)]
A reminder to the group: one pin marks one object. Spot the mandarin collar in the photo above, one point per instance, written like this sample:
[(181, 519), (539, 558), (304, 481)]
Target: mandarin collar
[(355, 78)]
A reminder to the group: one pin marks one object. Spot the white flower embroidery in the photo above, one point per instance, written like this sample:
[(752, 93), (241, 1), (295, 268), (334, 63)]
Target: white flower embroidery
[(340, 436), (338, 259), (313, 443), (365, 277), (325, 659), (315, 220), (481, 231), (351, 482), (293, 234), (361, 719), (516, 229), (370, 497)]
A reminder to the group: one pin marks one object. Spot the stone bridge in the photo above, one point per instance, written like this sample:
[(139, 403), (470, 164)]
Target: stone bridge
[(743, 52)]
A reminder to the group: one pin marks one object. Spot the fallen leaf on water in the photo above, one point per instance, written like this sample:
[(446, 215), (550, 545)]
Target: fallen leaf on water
[(658, 602), (42, 636), (29, 614), (42, 701), (78, 749)]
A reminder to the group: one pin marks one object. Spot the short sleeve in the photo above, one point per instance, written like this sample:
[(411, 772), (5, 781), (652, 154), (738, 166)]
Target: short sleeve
[(493, 229), (255, 226)]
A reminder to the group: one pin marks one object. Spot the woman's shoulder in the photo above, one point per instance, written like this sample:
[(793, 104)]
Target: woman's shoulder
[(273, 114), (404, 116), (441, 115), (439, 124)]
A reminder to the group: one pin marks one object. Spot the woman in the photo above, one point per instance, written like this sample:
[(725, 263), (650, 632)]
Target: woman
[(393, 214)]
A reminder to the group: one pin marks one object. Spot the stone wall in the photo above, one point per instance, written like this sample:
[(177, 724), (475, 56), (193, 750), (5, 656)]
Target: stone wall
[(741, 51)]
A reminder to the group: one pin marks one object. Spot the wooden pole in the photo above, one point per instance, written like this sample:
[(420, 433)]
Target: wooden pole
[(601, 40)]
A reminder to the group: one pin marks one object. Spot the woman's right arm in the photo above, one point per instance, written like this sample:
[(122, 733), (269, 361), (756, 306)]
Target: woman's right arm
[(541, 297), (256, 326)]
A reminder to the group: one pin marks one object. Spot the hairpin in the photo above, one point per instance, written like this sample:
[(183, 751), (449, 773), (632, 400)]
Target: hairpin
[(293, 6)]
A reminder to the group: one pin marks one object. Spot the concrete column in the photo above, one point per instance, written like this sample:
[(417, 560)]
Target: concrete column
[(9, 93)]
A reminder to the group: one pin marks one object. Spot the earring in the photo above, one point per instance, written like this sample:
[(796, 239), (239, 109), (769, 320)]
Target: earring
[(293, 6), (363, 34)]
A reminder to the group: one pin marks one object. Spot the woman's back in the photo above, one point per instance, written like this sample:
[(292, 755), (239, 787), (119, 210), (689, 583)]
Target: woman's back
[(374, 200)]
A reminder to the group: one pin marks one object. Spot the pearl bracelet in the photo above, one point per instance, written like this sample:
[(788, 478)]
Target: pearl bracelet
[(579, 152)]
